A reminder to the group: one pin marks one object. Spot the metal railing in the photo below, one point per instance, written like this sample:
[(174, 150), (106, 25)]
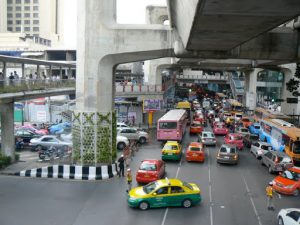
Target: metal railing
[(19, 85), (138, 88)]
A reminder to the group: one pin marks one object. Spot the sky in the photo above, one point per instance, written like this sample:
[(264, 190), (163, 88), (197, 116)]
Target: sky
[(133, 11), (128, 12)]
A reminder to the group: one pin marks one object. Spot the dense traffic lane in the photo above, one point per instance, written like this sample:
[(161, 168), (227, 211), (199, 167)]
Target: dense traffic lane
[(40, 201)]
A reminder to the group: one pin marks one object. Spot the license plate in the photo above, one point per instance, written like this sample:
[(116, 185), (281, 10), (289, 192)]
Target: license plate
[(170, 154), (146, 175), (195, 155), (226, 157)]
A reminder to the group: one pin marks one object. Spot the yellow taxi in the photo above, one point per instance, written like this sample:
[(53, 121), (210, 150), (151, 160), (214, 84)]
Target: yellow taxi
[(164, 193), (229, 121), (172, 150)]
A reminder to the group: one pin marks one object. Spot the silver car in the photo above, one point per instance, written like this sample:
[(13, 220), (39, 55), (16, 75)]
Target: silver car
[(243, 131), (49, 140), (259, 148), (276, 161), (228, 154), (207, 138), (133, 134)]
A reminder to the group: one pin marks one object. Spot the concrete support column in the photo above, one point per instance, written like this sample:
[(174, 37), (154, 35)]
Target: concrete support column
[(60, 72), (69, 72), (155, 68), (288, 108), (38, 71), (50, 71), (7, 130), (250, 88)]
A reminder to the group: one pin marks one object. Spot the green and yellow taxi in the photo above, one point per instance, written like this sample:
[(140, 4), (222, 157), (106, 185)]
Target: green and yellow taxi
[(164, 193), (172, 150)]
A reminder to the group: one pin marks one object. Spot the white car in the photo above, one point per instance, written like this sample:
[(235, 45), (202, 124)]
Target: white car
[(122, 142), (259, 148), (290, 216), (243, 131), (133, 134)]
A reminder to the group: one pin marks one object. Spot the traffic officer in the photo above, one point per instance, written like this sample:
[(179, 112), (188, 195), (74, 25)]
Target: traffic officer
[(129, 179), (269, 193)]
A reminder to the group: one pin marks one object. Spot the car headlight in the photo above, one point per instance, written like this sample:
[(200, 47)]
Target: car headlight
[(289, 186)]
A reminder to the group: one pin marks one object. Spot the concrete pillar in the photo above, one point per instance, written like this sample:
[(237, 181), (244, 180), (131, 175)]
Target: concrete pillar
[(50, 71), (250, 88), (69, 72), (288, 108), (38, 71), (104, 45), (7, 130), (60, 72), (23, 70)]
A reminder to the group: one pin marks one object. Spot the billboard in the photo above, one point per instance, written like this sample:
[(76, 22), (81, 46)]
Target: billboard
[(151, 105)]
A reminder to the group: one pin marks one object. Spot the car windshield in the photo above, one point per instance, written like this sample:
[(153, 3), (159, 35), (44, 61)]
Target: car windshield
[(291, 175), (257, 127), (238, 115), (284, 159), (195, 149), (187, 185), (220, 126), (148, 167), (149, 187), (296, 147), (244, 130), (254, 137), (245, 120), (266, 147), (196, 125), (208, 135), (227, 150), (236, 138), (170, 147)]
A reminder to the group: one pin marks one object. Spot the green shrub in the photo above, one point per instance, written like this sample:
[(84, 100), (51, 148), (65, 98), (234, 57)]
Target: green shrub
[(17, 157), (4, 160)]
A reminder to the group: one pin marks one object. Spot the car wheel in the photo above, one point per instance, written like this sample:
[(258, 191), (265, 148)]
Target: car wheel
[(121, 145), (280, 221), (296, 192), (270, 169), (187, 203), (142, 140), (262, 162), (144, 205)]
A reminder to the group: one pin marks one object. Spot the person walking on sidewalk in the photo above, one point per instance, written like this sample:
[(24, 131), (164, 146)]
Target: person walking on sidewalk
[(121, 161), (269, 193), (129, 179)]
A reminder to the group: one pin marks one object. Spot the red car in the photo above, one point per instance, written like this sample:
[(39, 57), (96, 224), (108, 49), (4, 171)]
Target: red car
[(288, 182), (220, 129), (199, 118), (196, 127), (195, 152), (150, 170), (234, 139)]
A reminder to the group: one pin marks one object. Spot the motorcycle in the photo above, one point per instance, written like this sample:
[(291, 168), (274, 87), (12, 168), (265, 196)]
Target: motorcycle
[(51, 153)]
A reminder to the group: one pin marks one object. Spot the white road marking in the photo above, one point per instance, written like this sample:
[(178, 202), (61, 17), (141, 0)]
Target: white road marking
[(167, 209), (252, 202), (210, 191), (165, 216)]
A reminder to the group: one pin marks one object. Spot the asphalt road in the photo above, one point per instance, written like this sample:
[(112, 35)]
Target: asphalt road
[(232, 195)]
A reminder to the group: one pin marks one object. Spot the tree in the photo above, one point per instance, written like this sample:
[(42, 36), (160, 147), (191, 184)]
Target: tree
[(293, 84)]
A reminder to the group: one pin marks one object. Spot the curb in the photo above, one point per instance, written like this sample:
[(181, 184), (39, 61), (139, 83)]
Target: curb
[(71, 172)]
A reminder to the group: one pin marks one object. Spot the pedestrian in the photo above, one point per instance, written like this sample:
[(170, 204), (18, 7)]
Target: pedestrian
[(269, 193), (16, 76), (121, 161), (129, 179), (11, 77)]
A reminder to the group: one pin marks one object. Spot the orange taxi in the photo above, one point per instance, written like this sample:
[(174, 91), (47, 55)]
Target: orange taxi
[(288, 182), (195, 152), (246, 122), (196, 127)]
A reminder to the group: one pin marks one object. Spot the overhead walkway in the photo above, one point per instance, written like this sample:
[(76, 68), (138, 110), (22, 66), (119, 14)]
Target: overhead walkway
[(237, 87)]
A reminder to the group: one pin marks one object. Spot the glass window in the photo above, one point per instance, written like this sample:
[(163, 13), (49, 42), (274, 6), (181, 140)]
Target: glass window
[(9, 8), (18, 15), (162, 191), (149, 187), (176, 189), (9, 22), (37, 22), (195, 149), (148, 167), (18, 8), (35, 1), (167, 125), (27, 1), (35, 8), (35, 15), (18, 1), (26, 21), (26, 15), (9, 28), (18, 22), (27, 8), (36, 29), (9, 15), (27, 29), (18, 28), (9, 1)]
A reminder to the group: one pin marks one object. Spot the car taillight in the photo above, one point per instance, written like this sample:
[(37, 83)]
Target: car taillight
[(235, 157), (276, 160)]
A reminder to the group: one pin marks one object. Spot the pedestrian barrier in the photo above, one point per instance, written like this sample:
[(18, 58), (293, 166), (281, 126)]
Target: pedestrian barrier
[(71, 172)]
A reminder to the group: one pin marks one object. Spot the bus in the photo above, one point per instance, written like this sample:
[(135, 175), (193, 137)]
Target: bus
[(171, 126), (186, 106), (283, 136), (261, 113)]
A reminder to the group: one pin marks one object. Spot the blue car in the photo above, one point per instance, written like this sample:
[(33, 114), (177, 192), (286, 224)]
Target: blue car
[(254, 128), (59, 128)]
